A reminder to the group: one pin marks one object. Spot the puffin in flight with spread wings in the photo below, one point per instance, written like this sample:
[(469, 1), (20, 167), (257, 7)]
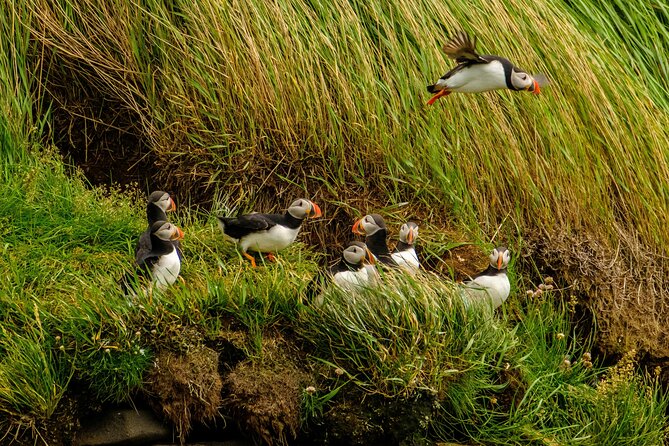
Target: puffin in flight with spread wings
[(477, 73)]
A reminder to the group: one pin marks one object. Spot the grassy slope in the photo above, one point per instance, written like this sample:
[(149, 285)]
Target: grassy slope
[(285, 99), (63, 318)]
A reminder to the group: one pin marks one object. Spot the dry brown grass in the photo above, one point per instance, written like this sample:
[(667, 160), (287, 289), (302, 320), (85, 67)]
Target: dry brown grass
[(186, 387)]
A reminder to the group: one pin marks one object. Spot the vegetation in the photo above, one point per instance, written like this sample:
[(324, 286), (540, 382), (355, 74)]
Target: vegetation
[(291, 98)]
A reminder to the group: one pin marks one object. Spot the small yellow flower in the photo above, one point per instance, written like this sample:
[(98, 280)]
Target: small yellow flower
[(310, 390), (560, 336)]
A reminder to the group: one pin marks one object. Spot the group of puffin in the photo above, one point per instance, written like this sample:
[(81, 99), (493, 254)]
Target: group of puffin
[(158, 255)]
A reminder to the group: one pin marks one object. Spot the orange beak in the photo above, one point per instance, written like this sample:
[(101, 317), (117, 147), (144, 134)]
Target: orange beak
[(316, 210), (370, 258), (441, 93), (179, 234), (411, 237), (500, 259), (536, 89), (173, 205), (357, 227)]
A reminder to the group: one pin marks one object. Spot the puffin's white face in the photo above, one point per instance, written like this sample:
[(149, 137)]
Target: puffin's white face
[(368, 225), (409, 233), (166, 231), (302, 209), (356, 253), (499, 258), (521, 80), (162, 200)]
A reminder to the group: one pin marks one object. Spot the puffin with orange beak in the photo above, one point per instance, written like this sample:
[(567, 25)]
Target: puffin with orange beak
[(157, 206), (158, 259), (374, 229), (492, 285), (405, 253), (476, 73), (268, 233), (350, 274)]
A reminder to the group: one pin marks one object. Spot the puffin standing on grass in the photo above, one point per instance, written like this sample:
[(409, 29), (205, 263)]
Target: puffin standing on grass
[(405, 253), (157, 206), (158, 259), (350, 273), (492, 285), (374, 229), (475, 73), (268, 233)]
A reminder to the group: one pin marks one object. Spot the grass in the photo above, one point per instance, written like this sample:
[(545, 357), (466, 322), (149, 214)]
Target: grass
[(239, 84), (227, 90)]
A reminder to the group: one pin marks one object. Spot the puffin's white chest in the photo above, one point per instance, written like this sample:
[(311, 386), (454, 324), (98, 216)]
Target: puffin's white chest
[(352, 280), (407, 260), (275, 239), (476, 78), (166, 270), (492, 289)]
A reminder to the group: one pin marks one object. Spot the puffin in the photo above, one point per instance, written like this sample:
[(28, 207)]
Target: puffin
[(374, 229), (349, 273), (404, 253), (158, 259), (491, 285), (268, 233), (476, 73), (157, 206)]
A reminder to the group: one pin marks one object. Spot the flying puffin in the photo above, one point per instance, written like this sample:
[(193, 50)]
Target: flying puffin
[(268, 233), (374, 229), (158, 259), (475, 73), (350, 273), (492, 285), (157, 206), (405, 253)]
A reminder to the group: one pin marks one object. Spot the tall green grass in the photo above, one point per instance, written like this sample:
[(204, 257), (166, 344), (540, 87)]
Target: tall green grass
[(341, 85)]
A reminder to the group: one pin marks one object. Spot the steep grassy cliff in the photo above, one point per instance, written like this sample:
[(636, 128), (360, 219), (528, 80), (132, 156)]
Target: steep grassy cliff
[(245, 106)]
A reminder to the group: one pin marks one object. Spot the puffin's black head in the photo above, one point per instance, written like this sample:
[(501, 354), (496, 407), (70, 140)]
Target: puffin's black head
[(356, 253), (166, 231), (304, 208), (162, 200), (409, 233), (499, 258), (369, 225)]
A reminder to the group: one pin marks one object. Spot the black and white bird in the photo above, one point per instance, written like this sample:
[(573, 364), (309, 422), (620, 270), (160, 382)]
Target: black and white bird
[(405, 252), (157, 206), (268, 233), (476, 73), (349, 273), (374, 229), (157, 259), (491, 286)]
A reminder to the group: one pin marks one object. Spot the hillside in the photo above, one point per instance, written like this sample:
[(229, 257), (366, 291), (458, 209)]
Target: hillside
[(243, 107)]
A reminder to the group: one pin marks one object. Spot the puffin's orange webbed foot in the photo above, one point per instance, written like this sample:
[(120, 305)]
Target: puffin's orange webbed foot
[(251, 258)]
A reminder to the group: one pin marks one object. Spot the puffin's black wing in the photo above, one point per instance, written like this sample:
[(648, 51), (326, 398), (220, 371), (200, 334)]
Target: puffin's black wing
[(144, 241), (145, 258), (238, 227), (463, 49), (317, 285)]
